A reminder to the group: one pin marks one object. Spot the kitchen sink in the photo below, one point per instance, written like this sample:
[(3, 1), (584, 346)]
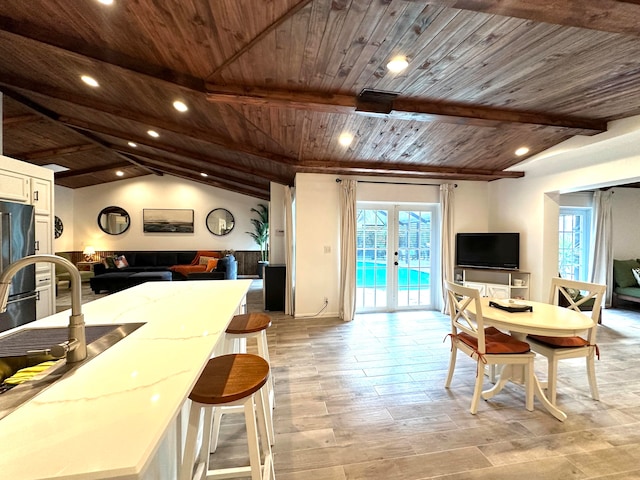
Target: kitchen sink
[(14, 356)]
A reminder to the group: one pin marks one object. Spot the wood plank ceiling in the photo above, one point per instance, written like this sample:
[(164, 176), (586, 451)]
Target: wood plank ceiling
[(271, 85)]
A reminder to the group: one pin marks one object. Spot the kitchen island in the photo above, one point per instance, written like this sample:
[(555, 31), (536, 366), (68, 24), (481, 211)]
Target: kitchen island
[(115, 416)]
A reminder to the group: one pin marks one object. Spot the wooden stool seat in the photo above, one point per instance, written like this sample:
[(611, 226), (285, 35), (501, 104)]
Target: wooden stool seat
[(248, 323), (248, 326), (229, 378), (229, 381)]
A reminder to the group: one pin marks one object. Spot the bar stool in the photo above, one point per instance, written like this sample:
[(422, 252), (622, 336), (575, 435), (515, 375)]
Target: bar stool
[(229, 380), (245, 327), (242, 328)]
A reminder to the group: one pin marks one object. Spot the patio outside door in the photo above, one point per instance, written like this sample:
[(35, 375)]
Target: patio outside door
[(394, 258)]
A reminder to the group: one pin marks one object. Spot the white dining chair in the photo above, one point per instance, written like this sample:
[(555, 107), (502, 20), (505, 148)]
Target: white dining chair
[(574, 294), (485, 345)]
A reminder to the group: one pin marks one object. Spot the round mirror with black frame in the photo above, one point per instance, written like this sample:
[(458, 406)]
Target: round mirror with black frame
[(114, 220), (220, 221), (58, 227)]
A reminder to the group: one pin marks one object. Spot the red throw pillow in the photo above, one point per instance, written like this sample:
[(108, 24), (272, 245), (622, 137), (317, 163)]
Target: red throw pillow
[(211, 265)]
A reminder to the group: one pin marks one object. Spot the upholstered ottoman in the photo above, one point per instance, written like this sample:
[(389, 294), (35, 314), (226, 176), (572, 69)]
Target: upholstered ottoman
[(112, 282), (142, 277)]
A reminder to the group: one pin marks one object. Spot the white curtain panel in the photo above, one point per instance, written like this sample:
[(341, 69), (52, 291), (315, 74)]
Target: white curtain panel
[(602, 249), (446, 240), (348, 250), (289, 257)]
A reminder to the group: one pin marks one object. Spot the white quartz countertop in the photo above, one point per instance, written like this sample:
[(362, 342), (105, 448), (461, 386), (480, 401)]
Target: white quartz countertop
[(106, 419)]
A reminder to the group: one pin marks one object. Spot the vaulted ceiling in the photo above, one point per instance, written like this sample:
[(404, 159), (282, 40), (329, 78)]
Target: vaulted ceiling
[(271, 85)]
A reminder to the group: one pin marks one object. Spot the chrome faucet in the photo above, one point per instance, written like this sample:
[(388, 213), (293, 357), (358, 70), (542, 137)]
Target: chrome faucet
[(76, 347)]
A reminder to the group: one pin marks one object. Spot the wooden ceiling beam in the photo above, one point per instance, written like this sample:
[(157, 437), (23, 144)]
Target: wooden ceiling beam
[(91, 170), (262, 194), (171, 162), (54, 117), (154, 145), (218, 181), (403, 108), (405, 170), (27, 118), (254, 41), (193, 132), (56, 152), (612, 16), (100, 53)]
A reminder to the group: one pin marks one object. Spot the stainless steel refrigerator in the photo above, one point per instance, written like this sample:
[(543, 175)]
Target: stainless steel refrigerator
[(17, 229)]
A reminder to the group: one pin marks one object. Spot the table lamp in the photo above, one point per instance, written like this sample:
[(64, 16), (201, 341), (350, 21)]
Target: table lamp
[(88, 253)]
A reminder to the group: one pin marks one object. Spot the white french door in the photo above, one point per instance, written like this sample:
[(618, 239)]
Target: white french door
[(396, 253)]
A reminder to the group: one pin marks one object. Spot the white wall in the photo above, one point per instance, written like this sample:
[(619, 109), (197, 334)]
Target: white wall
[(63, 209), (277, 242), (625, 205), (317, 230), (471, 212), (153, 192), (531, 204)]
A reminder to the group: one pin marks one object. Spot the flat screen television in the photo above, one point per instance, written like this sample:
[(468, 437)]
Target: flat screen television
[(488, 250)]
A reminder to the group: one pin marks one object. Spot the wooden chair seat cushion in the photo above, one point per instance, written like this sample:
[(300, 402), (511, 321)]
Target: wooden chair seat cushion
[(561, 342), (248, 323), (495, 342), (229, 378)]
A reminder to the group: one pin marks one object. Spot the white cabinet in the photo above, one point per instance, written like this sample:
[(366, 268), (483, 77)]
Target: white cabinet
[(41, 196), (23, 182), (495, 283), (44, 301), (14, 187), (43, 240), (482, 287)]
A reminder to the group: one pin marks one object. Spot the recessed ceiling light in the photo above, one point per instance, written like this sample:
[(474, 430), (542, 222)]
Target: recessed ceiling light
[(153, 133), (132, 144), (92, 82), (105, 2), (522, 151), (120, 173), (203, 174), (180, 106), (345, 139), (397, 64)]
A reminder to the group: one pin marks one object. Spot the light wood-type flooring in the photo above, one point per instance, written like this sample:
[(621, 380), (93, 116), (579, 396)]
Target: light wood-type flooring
[(365, 401)]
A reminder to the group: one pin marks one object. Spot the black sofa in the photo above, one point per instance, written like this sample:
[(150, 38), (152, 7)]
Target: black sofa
[(146, 266)]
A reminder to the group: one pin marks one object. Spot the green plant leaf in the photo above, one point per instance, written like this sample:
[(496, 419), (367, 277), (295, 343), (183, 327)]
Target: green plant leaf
[(261, 230)]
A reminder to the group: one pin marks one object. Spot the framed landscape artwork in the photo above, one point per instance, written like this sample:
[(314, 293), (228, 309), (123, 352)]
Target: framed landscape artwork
[(164, 220)]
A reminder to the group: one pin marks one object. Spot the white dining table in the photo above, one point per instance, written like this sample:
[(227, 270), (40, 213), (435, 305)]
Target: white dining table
[(544, 319)]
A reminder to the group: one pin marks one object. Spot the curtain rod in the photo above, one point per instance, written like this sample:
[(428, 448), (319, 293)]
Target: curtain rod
[(455, 185)]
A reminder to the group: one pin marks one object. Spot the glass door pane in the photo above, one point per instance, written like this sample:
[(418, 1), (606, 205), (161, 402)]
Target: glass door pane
[(372, 241), (413, 259)]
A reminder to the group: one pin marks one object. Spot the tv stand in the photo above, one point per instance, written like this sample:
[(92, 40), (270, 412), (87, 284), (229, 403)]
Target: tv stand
[(495, 283)]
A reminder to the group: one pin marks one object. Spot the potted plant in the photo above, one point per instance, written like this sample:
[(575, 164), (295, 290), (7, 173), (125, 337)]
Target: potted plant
[(260, 235)]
